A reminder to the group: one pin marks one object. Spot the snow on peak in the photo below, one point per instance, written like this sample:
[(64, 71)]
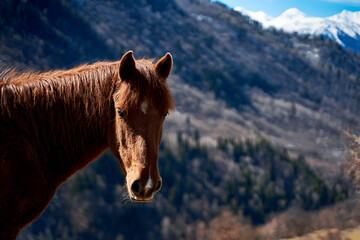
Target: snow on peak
[(259, 16), (292, 13), (346, 16), (335, 27)]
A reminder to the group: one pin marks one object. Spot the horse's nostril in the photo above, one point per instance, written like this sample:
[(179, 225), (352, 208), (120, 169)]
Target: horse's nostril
[(136, 187), (158, 186)]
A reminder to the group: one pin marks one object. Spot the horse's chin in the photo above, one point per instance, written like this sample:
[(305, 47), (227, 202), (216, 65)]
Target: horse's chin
[(138, 199)]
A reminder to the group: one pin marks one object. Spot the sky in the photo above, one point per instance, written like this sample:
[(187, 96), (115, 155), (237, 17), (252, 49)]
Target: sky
[(315, 8)]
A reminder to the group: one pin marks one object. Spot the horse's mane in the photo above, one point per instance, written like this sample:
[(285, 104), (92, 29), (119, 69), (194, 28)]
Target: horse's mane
[(44, 89), (86, 80), (12, 76)]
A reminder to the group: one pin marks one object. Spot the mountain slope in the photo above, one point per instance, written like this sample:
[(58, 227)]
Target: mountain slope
[(47, 34), (234, 84), (230, 78), (344, 27), (290, 89)]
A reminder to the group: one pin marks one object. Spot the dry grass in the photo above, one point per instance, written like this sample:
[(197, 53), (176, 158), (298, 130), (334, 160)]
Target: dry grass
[(227, 226)]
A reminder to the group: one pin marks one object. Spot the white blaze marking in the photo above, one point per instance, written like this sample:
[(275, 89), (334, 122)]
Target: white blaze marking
[(144, 106), (149, 183)]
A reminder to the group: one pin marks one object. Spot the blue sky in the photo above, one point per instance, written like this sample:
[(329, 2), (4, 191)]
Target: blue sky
[(316, 8)]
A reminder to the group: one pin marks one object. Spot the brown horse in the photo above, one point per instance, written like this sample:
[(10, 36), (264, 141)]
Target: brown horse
[(53, 124)]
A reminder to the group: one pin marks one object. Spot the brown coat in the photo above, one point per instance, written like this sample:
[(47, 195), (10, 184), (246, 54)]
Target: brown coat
[(53, 124)]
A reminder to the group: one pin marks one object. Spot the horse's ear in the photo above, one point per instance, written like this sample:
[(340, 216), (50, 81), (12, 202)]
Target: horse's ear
[(163, 66), (127, 66)]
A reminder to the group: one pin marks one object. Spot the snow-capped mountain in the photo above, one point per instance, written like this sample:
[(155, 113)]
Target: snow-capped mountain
[(344, 27)]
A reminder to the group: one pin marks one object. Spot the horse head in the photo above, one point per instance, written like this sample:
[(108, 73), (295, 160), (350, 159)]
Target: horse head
[(141, 100)]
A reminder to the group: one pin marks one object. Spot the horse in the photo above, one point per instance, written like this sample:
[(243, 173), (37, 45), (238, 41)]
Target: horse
[(54, 123)]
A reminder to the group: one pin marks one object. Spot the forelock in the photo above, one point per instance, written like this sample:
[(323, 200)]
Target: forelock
[(146, 84)]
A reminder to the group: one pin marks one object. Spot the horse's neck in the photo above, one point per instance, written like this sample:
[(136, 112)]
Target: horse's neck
[(85, 125), (68, 121)]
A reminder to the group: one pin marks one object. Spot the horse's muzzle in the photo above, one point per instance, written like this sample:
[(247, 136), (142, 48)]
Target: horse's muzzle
[(144, 192)]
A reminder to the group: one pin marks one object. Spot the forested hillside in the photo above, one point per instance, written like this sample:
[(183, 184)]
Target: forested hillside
[(200, 182), (47, 34), (258, 127)]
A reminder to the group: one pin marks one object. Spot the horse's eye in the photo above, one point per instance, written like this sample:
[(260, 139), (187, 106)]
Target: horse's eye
[(121, 113)]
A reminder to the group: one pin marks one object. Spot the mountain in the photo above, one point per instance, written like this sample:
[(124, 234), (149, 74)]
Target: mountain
[(239, 80), (344, 27), (258, 127)]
